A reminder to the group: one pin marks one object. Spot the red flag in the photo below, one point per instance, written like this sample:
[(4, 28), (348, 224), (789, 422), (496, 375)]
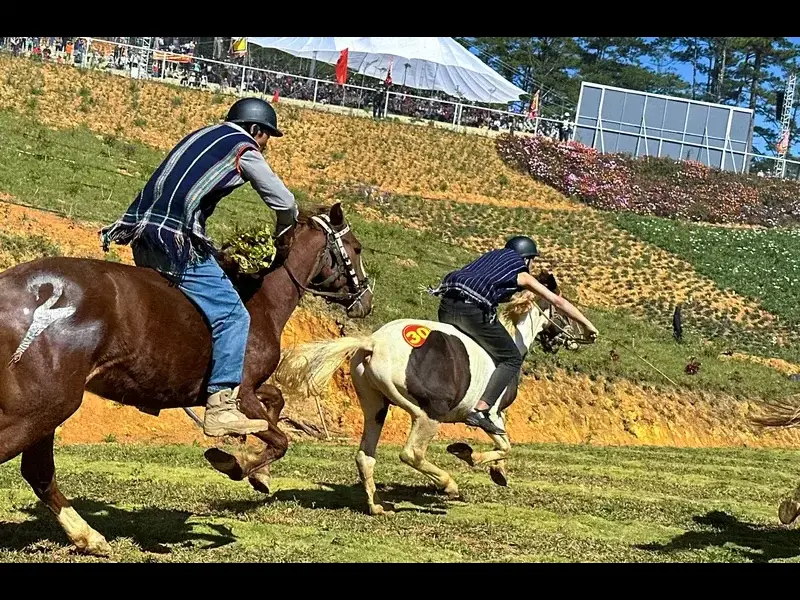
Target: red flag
[(275, 97), (783, 145), (341, 67), (534, 110), (388, 80)]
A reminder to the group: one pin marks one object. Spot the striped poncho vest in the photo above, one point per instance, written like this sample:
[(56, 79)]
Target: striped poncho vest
[(169, 214), (487, 281)]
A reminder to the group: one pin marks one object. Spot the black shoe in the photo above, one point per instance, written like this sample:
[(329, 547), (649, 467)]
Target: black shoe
[(480, 418)]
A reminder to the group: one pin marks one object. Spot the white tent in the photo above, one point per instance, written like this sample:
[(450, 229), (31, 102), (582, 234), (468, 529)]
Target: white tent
[(424, 63)]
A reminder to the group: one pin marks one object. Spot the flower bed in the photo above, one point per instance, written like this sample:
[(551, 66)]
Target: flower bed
[(654, 186)]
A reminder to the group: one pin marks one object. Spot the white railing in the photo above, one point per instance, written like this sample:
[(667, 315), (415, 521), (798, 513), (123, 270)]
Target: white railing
[(355, 99), (458, 114)]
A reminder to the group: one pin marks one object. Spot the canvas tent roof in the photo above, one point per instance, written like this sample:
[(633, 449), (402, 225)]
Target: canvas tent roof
[(434, 63)]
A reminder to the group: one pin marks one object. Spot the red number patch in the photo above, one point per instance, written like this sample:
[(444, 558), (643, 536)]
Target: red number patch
[(415, 335)]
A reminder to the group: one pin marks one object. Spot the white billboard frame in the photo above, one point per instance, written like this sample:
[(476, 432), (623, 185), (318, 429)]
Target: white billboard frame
[(727, 151)]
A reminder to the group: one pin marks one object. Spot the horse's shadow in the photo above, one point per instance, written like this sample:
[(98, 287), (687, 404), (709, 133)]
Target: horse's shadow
[(425, 499), (152, 529), (758, 543)]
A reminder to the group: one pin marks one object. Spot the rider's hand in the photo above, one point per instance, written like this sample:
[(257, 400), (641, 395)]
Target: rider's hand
[(593, 333)]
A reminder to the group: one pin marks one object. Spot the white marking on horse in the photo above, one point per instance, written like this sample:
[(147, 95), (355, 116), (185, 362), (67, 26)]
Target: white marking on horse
[(44, 315)]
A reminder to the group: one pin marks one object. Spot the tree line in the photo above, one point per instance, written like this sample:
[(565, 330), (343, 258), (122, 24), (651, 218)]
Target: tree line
[(742, 71)]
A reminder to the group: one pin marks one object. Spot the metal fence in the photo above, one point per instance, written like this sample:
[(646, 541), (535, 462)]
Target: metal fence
[(359, 100), (239, 79)]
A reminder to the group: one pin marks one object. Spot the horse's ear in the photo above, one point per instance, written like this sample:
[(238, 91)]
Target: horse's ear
[(337, 215), (548, 280)]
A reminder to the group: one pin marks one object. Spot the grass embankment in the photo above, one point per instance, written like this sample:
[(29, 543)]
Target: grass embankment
[(320, 152), (412, 242)]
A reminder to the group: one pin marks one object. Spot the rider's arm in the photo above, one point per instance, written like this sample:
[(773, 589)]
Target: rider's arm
[(269, 186), (526, 280)]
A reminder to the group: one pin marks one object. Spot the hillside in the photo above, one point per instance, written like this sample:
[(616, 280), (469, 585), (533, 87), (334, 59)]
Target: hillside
[(424, 201)]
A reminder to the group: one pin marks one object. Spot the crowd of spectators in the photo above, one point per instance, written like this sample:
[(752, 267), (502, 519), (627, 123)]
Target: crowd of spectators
[(185, 69)]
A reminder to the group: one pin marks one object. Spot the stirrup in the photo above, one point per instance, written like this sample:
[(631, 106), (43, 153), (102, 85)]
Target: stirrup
[(480, 418)]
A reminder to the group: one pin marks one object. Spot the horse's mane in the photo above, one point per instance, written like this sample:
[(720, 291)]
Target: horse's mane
[(520, 304), (523, 302)]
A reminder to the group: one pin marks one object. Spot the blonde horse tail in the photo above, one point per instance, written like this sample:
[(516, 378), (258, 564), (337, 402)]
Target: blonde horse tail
[(307, 368), (784, 413)]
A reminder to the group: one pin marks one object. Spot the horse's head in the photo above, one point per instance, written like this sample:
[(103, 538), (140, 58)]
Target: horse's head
[(323, 245), (534, 318), (558, 327)]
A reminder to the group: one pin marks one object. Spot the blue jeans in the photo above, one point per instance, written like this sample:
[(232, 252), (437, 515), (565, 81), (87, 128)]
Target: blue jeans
[(210, 290)]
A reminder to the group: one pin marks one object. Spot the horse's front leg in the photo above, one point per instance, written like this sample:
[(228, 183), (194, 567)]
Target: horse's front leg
[(496, 458), (256, 467), (265, 403)]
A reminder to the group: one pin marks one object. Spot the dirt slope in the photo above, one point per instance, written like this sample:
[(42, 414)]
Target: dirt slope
[(563, 408)]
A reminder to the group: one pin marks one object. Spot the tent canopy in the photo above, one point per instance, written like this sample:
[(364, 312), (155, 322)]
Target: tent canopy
[(424, 63)]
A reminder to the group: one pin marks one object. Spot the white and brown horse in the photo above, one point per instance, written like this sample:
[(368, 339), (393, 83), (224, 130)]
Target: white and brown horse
[(429, 369)]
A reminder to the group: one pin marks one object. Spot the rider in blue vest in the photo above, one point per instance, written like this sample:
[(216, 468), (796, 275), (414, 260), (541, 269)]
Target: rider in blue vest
[(469, 299), (165, 226)]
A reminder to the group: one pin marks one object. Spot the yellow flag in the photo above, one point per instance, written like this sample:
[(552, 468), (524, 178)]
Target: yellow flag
[(239, 45)]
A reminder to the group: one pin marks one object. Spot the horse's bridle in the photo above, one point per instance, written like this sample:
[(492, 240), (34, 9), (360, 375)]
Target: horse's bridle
[(341, 264), (564, 337)]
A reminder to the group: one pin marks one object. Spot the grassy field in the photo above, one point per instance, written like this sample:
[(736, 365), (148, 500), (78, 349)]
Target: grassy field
[(564, 503), (319, 152), (19, 248), (411, 243), (763, 264)]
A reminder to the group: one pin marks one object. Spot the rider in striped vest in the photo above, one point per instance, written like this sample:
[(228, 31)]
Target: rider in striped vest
[(469, 300), (165, 226)]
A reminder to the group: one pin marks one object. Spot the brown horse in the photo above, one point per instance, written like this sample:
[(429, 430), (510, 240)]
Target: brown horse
[(126, 334), (781, 414)]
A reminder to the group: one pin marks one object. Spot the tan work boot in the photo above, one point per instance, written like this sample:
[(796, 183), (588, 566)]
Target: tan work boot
[(223, 416)]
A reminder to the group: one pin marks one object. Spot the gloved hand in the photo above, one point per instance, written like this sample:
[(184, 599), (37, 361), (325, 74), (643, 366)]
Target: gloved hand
[(285, 220)]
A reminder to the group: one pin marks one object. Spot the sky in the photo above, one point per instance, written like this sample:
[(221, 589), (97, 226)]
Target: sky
[(685, 71)]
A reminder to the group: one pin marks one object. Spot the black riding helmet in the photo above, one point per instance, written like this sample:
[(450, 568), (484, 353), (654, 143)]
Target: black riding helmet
[(255, 110), (523, 245)]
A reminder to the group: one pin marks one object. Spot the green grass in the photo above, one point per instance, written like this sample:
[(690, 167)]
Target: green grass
[(19, 248), (761, 264), (402, 260), (94, 178), (630, 340), (564, 503)]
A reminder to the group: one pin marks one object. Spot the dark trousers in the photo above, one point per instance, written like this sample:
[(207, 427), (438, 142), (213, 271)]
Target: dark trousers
[(492, 337)]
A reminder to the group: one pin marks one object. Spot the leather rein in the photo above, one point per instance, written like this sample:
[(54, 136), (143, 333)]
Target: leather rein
[(340, 262)]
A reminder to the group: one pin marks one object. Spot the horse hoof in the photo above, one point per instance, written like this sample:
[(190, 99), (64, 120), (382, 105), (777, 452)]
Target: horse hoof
[(498, 476), (788, 511), (94, 544), (461, 451), (378, 510), (451, 490), (260, 482), (224, 463), (99, 548)]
